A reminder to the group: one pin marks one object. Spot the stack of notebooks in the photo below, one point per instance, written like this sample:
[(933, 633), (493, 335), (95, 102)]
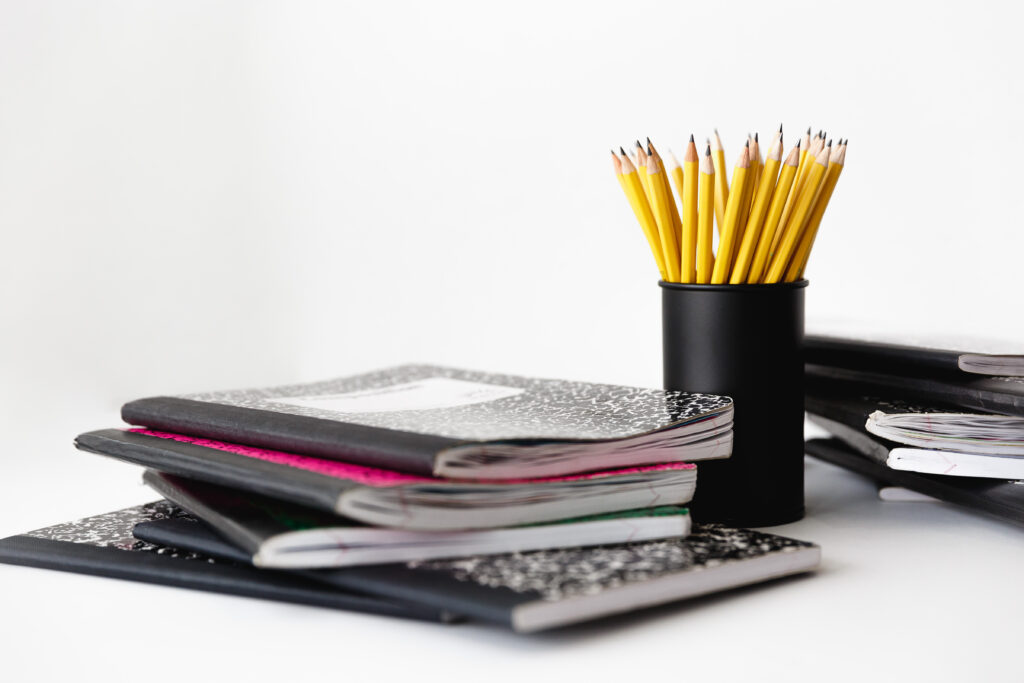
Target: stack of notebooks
[(941, 420), (423, 492)]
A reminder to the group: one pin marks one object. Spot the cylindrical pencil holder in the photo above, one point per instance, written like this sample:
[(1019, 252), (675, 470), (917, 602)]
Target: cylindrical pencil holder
[(743, 341)]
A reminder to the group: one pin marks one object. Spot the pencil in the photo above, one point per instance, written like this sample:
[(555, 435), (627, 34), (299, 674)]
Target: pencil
[(663, 216), (807, 161), (793, 229), (721, 181), (677, 222), (691, 172), (771, 221), (635, 195), (705, 218), (723, 262), (803, 249), (756, 164), (749, 188), (757, 212)]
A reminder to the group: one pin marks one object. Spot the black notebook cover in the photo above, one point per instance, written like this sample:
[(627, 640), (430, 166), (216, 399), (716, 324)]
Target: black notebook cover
[(103, 545), (996, 497), (304, 487), (877, 356), (503, 588), (402, 418), (1002, 395)]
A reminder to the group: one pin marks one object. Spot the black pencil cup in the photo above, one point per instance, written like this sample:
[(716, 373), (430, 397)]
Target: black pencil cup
[(743, 341)]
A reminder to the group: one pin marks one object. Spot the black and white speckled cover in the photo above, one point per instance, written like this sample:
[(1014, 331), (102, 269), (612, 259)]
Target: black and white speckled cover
[(493, 587), (103, 545), (546, 409), (300, 418), (572, 572)]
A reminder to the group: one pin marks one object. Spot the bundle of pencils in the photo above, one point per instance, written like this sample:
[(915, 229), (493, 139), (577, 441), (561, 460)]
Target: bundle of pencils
[(767, 217)]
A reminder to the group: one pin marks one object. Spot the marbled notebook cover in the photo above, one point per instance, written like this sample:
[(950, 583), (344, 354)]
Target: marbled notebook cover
[(493, 587), (479, 406), (103, 545)]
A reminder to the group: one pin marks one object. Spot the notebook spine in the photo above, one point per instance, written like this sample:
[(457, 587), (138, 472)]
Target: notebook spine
[(370, 446)]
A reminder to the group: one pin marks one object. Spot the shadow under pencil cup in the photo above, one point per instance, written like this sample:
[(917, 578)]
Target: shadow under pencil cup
[(743, 341)]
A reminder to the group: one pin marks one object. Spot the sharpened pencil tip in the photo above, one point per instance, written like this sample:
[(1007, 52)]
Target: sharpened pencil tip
[(691, 137), (649, 152), (780, 128), (747, 144), (639, 145), (707, 152), (829, 143), (756, 139), (622, 151), (808, 130)]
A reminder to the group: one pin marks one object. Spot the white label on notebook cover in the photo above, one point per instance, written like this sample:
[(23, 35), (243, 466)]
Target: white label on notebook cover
[(424, 394)]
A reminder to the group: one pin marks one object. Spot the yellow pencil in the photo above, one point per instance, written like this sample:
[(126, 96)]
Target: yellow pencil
[(721, 181), (675, 172), (757, 212), (691, 172), (756, 164), (723, 262), (630, 182), (677, 222), (641, 170), (663, 215), (807, 161), (705, 218), (803, 250), (749, 189), (771, 221), (794, 228)]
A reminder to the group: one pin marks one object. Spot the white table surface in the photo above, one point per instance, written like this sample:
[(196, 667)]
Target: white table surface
[(912, 591)]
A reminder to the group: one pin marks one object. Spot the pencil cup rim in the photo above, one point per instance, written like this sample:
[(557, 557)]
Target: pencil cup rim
[(797, 284)]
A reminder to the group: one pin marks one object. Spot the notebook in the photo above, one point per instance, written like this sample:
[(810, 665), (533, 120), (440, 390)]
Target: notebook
[(103, 545), (546, 589), (462, 424), (965, 432), (396, 499), (1001, 395), (999, 498), (844, 417), (280, 535), (908, 353)]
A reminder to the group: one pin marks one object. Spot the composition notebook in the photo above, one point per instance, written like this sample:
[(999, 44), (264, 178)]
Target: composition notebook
[(388, 498), (886, 351), (462, 424), (916, 438), (1003, 395), (281, 535), (996, 497), (103, 545), (550, 588)]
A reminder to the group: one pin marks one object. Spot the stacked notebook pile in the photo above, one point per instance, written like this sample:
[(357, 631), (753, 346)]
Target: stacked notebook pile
[(424, 492), (926, 417)]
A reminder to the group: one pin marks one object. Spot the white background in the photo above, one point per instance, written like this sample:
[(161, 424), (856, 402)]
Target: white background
[(204, 195)]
